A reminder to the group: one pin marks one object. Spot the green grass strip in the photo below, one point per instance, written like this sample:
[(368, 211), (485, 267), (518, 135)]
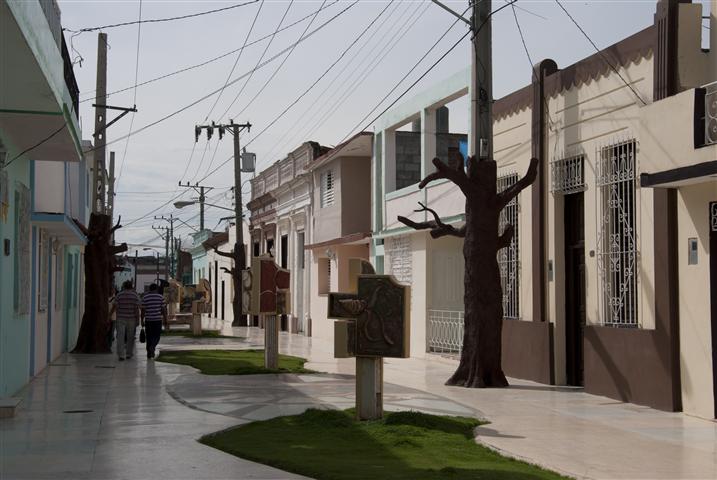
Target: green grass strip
[(232, 362), (329, 444)]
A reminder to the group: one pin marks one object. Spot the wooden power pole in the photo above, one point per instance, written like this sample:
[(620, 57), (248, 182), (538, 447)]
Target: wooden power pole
[(98, 204)]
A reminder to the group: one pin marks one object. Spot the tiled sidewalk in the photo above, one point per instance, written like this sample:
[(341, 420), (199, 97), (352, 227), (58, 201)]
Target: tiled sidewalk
[(144, 418)]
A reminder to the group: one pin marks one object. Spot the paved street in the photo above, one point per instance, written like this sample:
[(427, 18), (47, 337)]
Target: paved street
[(144, 418)]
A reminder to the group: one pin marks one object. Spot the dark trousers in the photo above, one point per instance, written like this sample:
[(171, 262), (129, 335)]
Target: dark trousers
[(153, 330)]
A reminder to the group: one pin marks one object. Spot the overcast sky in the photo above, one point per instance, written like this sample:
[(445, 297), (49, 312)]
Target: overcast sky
[(154, 160)]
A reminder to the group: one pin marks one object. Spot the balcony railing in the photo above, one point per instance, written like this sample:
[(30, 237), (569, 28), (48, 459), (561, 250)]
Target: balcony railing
[(711, 114), (70, 80), (445, 331)]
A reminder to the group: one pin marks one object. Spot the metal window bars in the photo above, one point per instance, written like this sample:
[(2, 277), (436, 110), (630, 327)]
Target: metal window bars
[(567, 175), (617, 255), (445, 331), (509, 257), (711, 113)]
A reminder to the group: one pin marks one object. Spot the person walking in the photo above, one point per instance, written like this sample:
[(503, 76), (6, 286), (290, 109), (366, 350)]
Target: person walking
[(154, 312), (126, 305)]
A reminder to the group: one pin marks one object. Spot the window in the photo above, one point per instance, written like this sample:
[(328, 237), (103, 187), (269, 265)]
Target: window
[(508, 258), (284, 251), (324, 275), (327, 188), (59, 270), (400, 259), (256, 249), (567, 175), (300, 249), (617, 239)]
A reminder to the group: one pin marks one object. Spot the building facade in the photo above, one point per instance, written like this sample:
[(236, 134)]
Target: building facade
[(41, 192), (341, 224), (280, 209), (608, 282)]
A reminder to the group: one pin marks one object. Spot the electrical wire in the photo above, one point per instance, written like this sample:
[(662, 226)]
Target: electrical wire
[(316, 121), (275, 70), (36, 145), (420, 60), (600, 52), (214, 92), (134, 101), (207, 62), (303, 94), (160, 20), (285, 140), (246, 39)]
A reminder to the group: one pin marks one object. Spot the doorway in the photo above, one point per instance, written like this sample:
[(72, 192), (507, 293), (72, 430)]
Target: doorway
[(713, 298), (574, 218)]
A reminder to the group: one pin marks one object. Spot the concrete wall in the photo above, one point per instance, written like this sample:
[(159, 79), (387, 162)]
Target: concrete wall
[(50, 186), (327, 220), (696, 347), (355, 192)]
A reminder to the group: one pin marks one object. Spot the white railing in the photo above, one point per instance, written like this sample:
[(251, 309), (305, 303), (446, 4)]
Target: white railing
[(445, 331), (711, 114), (567, 175)]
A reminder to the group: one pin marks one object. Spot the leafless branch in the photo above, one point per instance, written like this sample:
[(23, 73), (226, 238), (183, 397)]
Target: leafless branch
[(511, 192), (455, 175), (115, 249), (228, 270), (117, 225), (505, 239), (437, 227), (223, 254)]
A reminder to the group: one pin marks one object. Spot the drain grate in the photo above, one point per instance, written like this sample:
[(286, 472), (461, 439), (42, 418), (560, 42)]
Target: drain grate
[(104, 366), (78, 411)]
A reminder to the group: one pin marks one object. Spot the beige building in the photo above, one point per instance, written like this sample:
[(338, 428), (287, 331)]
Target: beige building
[(609, 282), (280, 209), (341, 217)]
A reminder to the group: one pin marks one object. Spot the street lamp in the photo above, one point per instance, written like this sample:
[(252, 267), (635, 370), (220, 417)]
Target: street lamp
[(186, 203)]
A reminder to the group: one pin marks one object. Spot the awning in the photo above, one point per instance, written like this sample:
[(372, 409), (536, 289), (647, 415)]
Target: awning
[(678, 177), (61, 226), (352, 239)]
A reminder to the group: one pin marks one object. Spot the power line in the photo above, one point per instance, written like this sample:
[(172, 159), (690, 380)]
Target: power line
[(280, 144), (36, 145), (600, 52), (246, 39), (134, 102), (303, 94), (211, 60), (357, 79), (186, 107), (420, 60), (159, 20), (236, 97)]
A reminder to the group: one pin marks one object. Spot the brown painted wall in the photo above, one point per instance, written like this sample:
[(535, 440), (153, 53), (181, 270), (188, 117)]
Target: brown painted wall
[(527, 350)]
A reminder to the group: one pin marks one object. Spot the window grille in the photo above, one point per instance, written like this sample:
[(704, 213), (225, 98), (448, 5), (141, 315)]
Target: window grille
[(617, 236), (327, 188), (567, 175), (22, 269), (508, 258), (711, 114), (44, 270), (398, 250)]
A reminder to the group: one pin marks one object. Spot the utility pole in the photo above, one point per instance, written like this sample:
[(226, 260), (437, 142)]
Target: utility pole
[(201, 191), (98, 154), (164, 237), (170, 241), (111, 188), (481, 143), (238, 255)]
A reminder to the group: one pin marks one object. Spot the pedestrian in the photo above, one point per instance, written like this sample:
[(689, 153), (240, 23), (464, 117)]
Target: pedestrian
[(154, 312), (126, 305)]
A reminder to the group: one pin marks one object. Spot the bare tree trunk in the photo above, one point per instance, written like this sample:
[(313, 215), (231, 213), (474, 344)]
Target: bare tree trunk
[(480, 364), (99, 268)]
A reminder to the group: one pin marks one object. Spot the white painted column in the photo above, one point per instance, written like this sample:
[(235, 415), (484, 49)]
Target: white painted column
[(428, 141)]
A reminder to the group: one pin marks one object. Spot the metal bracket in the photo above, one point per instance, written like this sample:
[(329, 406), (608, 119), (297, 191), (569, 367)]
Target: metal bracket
[(124, 110), (452, 12)]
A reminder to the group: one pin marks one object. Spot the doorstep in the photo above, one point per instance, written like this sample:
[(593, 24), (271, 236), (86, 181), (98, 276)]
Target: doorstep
[(8, 406)]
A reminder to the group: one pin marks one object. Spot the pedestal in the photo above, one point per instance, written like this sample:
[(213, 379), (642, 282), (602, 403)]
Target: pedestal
[(271, 342), (369, 388), (196, 324)]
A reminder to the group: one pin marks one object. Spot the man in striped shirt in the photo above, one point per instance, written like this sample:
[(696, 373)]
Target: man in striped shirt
[(154, 311), (126, 305)]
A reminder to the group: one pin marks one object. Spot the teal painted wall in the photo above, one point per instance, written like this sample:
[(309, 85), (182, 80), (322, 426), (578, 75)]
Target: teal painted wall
[(14, 329)]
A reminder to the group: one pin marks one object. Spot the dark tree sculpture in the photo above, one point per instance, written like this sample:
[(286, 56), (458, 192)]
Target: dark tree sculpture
[(100, 265), (235, 272), (480, 364)]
